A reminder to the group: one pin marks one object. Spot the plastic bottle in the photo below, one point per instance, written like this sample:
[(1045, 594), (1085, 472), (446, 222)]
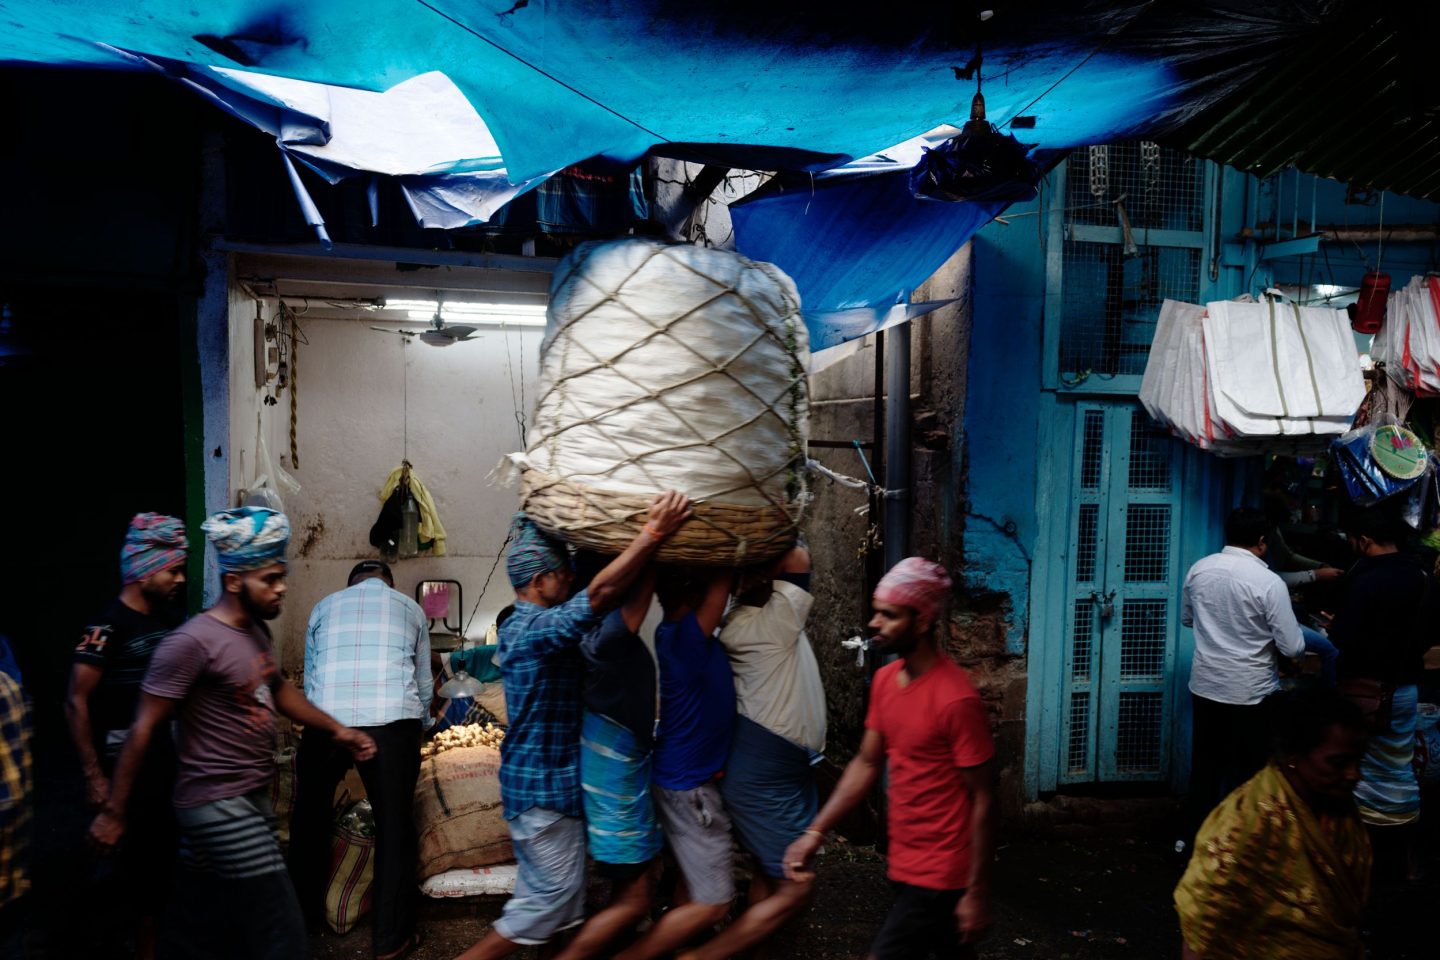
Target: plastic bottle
[(409, 528)]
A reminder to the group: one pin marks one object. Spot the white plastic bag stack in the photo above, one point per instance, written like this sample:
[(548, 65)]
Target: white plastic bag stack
[(1239, 378), (1408, 343)]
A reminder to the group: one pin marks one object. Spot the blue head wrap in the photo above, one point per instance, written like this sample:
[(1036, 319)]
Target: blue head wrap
[(532, 552), (248, 538)]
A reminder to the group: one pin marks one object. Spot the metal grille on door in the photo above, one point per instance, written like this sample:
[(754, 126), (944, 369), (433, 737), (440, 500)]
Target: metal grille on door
[(1121, 609)]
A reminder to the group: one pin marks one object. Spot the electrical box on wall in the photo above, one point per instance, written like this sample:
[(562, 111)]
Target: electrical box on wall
[(266, 353)]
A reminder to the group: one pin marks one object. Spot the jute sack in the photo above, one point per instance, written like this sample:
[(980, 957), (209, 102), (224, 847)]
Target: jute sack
[(458, 813), (670, 366)]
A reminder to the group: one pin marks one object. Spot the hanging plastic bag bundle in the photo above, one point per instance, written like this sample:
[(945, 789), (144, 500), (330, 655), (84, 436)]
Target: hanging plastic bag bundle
[(1378, 461)]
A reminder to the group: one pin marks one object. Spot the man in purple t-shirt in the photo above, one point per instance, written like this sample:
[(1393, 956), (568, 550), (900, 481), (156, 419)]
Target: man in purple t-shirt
[(216, 676)]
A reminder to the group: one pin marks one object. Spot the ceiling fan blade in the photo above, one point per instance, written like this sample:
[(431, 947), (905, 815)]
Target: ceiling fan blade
[(459, 331), (403, 333)]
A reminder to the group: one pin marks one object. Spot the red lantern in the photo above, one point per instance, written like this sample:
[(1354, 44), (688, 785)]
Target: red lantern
[(1370, 307)]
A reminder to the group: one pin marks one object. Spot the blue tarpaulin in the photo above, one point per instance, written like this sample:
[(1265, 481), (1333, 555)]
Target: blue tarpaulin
[(558, 82), (808, 85), (855, 247)]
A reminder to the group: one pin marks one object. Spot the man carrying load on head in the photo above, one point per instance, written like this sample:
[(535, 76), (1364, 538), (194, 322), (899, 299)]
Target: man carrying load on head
[(543, 670), (769, 783), (692, 742)]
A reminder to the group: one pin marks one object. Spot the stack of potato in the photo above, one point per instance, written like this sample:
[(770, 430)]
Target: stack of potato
[(466, 735)]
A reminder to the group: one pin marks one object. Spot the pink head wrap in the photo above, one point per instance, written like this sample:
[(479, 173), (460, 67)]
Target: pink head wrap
[(917, 583)]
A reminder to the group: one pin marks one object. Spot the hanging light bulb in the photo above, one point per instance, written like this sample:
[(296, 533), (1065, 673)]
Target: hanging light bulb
[(978, 163), (461, 685)]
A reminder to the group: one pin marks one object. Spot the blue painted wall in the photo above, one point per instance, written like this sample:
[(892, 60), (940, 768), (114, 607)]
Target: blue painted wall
[(1296, 197), (1009, 415), (1002, 410)]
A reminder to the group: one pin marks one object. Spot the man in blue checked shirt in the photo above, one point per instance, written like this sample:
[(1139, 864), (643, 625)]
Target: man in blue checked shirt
[(367, 660), (542, 668)]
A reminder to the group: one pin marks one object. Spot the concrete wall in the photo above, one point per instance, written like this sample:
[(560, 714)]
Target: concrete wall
[(842, 405), (367, 400)]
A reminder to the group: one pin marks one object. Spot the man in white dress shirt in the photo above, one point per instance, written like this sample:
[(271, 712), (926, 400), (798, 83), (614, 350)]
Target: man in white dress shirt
[(1240, 611)]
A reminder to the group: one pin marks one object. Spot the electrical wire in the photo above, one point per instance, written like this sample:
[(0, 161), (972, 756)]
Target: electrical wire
[(465, 630), (404, 401)]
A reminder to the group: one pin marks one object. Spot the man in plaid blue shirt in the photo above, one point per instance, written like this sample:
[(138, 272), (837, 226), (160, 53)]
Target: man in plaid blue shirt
[(542, 669), (367, 663)]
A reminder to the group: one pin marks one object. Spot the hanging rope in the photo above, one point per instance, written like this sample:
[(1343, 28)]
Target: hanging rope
[(294, 394), (815, 466)]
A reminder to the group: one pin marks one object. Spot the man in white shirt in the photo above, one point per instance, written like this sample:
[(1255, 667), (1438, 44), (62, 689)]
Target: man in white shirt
[(1240, 611)]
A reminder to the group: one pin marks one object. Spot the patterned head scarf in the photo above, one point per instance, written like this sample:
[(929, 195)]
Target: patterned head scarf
[(153, 543), (248, 538), (532, 552), (917, 583)]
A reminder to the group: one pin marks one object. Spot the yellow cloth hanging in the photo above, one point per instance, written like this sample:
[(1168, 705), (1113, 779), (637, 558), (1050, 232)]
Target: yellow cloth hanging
[(431, 528)]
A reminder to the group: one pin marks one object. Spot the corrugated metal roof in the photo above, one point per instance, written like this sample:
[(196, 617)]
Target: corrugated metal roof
[(1357, 102)]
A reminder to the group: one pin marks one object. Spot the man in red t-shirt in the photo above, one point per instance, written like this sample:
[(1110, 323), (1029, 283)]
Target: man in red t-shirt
[(927, 722)]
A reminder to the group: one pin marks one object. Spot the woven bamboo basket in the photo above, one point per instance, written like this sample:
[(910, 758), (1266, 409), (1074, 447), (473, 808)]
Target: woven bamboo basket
[(606, 521)]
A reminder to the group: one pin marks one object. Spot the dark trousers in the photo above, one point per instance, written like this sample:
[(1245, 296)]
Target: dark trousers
[(921, 923), (213, 918), (389, 779), (1229, 744)]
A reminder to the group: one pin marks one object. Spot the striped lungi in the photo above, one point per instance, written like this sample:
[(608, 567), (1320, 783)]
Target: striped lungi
[(232, 838), (1389, 791), (615, 781)]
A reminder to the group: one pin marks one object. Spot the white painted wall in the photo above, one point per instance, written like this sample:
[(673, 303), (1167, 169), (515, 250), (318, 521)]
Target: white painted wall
[(367, 400)]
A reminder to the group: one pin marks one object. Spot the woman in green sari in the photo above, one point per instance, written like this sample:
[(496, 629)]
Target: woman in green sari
[(1281, 868)]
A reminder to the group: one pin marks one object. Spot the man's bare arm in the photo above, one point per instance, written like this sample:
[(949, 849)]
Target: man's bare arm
[(972, 913), (84, 678), (855, 785)]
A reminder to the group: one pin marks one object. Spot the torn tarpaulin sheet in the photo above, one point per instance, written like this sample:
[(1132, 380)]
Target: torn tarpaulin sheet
[(422, 132)]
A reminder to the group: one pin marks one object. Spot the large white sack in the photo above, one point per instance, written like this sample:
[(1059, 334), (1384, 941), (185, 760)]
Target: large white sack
[(1176, 388), (1281, 360), (672, 366), (1424, 336)]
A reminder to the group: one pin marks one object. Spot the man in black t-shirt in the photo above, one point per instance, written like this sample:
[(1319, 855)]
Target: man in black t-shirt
[(108, 665)]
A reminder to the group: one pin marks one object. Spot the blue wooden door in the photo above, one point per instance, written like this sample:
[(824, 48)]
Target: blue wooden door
[(1121, 618)]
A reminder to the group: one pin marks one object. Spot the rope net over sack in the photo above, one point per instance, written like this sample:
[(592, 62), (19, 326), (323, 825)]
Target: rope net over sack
[(669, 366)]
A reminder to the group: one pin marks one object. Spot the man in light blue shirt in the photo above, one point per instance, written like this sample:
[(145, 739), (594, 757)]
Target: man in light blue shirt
[(367, 659)]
